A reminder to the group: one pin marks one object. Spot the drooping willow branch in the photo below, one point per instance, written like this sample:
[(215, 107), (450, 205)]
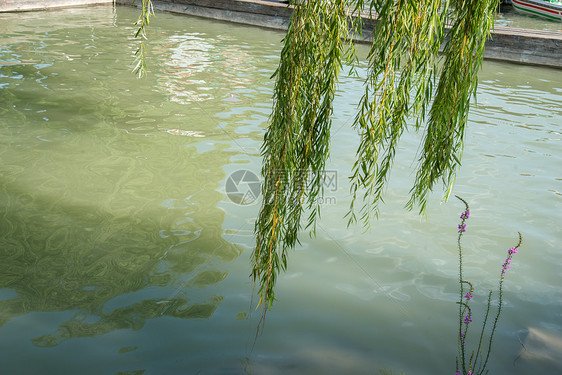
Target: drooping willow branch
[(402, 65), (296, 144), (142, 24), (407, 78), (464, 51), (404, 68)]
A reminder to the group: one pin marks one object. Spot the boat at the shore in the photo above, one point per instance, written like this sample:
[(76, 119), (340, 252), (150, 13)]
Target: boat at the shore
[(550, 9)]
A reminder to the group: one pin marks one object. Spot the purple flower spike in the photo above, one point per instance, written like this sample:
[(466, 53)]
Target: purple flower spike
[(462, 228), (468, 295), (465, 215), (468, 319), (507, 262)]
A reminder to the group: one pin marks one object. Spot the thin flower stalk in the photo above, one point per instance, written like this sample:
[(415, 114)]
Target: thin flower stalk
[(471, 365)]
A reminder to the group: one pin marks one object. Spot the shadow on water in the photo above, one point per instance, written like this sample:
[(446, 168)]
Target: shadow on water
[(103, 214), (62, 253)]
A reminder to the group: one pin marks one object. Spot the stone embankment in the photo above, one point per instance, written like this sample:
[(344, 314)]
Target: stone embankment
[(508, 44)]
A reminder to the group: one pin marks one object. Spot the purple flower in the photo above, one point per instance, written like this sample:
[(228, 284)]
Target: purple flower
[(507, 262), (505, 268), (465, 215), (462, 228), (468, 295), (458, 372), (468, 319)]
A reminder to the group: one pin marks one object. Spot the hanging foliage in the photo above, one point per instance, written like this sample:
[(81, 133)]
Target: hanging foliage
[(407, 78), (296, 144), (142, 24)]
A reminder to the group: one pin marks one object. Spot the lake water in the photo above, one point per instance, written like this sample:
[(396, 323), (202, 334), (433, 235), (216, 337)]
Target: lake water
[(121, 251), (508, 16)]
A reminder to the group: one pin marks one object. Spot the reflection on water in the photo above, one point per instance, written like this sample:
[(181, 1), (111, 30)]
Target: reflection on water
[(197, 67), (120, 252)]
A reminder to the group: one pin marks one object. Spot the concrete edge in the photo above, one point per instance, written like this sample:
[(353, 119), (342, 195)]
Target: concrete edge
[(276, 22), (34, 5)]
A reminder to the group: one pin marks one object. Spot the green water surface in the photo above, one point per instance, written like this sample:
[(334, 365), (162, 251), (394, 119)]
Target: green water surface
[(122, 253)]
